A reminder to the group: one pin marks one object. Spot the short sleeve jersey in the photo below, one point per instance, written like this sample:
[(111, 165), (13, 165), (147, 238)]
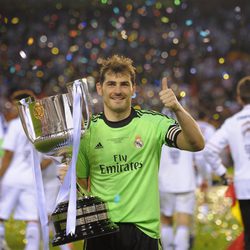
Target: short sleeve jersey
[(122, 161), (176, 174), (235, 133), (19, 172)]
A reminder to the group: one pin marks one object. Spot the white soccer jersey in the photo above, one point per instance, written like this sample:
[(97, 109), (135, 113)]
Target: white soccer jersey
[(176, 173), (204, 168), (234, 132), (207, 129), (19, 173)]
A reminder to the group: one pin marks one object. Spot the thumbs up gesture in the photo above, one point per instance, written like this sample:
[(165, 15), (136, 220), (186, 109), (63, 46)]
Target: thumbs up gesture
[(168, 97)]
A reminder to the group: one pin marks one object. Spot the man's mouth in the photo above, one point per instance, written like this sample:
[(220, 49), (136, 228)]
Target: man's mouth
[(117, 98)]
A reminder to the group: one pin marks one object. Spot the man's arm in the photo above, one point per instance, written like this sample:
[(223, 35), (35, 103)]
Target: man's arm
[(7, 158), (190, 138), (84, 185), (215, 145)]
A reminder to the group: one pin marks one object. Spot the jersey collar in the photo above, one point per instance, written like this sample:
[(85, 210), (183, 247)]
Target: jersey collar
[(121, 123)]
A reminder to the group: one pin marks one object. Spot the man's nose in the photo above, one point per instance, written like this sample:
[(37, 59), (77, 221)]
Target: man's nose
[(117, 89)]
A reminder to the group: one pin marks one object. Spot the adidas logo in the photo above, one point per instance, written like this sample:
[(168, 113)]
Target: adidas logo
[(99, 145)]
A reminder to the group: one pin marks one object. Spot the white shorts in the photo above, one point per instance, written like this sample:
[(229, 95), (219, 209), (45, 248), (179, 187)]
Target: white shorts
[(20, 201), (177, 203)]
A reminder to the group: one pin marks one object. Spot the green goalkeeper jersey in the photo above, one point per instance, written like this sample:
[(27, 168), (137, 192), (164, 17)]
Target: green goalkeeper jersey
[(122, 161)]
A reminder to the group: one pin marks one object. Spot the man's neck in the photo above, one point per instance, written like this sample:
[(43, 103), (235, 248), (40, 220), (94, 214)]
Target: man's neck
[(116, 116)]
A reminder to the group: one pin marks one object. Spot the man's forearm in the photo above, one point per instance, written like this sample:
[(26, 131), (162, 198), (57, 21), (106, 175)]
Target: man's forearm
[(191, 137)]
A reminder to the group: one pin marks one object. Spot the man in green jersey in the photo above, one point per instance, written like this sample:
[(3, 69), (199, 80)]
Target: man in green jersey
[(120, 155)]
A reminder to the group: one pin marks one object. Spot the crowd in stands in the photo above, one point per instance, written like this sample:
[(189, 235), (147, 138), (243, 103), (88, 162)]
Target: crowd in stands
[(203, 50)]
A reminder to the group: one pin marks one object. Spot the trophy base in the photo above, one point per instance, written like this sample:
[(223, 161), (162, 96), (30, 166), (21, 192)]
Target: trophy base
[(91, 221), (84, 233)]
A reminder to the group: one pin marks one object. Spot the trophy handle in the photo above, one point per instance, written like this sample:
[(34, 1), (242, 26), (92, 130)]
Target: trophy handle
[(83, 84), (86, 98), (25, 116)]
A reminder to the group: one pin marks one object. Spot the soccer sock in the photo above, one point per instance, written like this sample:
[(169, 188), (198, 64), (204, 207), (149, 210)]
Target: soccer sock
[(2, 234), (32, 236), (65, 247), (167, 237), (181, 240)]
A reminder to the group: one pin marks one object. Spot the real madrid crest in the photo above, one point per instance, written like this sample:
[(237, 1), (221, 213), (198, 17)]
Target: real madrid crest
[(138, 142), (38, 111)]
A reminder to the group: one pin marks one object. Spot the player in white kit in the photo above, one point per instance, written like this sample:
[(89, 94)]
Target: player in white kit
[(177, 186), (235, 133), (17, 193), (204, 173), (5, 116)]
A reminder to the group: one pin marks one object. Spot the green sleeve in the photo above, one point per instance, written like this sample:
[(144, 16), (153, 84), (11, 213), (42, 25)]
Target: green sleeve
[(82, 165)]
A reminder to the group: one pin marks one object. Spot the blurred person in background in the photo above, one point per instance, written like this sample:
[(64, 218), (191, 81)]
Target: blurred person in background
[(17, 193), (204, 170), (8, 113), (235, 133), (120, 154), (177, 187), (51, 186), (3, 128)]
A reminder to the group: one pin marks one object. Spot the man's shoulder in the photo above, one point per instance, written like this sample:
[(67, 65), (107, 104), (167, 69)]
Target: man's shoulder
[(205, 125), (15, 124), (148, 113), (239, 116), (97, 117)]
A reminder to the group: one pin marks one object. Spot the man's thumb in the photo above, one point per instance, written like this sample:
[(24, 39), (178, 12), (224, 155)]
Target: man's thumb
[(164, 83)]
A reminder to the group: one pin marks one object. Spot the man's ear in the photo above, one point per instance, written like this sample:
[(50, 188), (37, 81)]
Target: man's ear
[(134, 89), (99, 88), (239, 100)]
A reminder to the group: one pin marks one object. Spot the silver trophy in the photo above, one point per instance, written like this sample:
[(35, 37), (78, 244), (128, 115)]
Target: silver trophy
[(49, 125)]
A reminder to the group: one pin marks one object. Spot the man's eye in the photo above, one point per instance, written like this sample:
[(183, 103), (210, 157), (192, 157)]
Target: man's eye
[(111, 84), (125, 84)]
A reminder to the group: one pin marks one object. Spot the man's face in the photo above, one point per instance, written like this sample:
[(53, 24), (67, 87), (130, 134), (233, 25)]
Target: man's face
[(10, 111), (117, 91)]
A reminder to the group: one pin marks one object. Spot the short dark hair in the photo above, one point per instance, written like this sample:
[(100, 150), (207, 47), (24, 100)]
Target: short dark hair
[(21, 94), (117, 64), (243, 89)]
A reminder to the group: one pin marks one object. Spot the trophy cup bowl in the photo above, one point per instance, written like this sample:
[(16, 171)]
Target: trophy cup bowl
[(48, 123)]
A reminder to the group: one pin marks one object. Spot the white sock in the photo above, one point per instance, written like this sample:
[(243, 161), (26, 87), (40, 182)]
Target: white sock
[(2, 234), (167, 237), (32, 236), (65, 247), (181, 240)]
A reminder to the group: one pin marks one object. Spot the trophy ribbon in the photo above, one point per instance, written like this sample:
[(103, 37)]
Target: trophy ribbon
[(41, 201), (69, 183), (40, 196)]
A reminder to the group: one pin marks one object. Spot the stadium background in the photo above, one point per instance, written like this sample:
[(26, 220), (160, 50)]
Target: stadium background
[(202, 46)]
